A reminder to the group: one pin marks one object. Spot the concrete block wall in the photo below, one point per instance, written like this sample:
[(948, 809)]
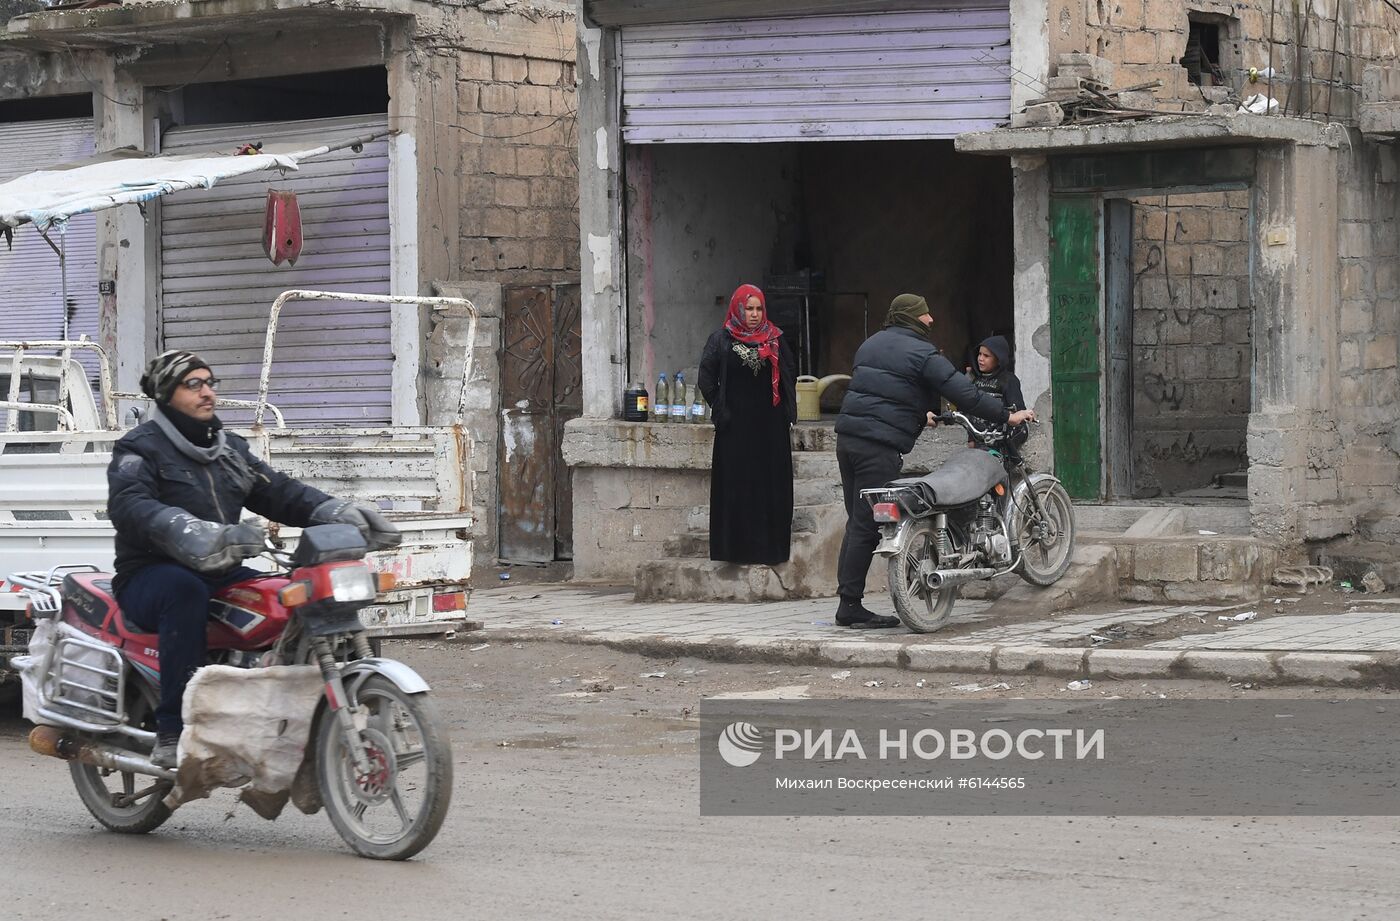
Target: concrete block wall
[(1146, 39), (444, 357), (624, 515), (1356, 484), (1194, 569), (1192, 352), (516, 117)]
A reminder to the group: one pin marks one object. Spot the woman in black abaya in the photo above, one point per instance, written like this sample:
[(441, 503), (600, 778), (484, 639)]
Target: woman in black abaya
[(747, 376)]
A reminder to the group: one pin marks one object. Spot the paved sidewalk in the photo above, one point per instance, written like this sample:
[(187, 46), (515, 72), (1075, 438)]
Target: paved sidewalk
[(1358, 644)]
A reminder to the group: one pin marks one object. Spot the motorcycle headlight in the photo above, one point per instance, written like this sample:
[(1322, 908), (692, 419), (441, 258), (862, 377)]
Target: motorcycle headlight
[(352, 583)]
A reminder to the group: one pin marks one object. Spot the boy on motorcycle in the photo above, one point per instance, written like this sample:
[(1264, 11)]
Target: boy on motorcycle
[(177, 486), (898, 377)]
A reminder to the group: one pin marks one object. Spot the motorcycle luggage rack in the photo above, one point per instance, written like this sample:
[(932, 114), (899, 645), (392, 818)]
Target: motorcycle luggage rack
[(42, 588), (899, 495)]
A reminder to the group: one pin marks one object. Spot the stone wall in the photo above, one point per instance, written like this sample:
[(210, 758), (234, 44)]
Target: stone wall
[(1191, 339), (515, 119), (1354, 476), (444, 358), (1147, 39)]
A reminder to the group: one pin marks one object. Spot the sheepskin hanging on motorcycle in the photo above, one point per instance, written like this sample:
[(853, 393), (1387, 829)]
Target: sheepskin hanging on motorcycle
[(177, 487)]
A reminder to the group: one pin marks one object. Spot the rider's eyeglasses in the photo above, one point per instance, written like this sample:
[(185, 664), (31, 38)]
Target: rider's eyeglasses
[(196, 384)]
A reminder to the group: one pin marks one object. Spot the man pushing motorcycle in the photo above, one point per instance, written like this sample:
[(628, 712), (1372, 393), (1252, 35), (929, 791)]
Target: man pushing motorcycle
[(177, 486)]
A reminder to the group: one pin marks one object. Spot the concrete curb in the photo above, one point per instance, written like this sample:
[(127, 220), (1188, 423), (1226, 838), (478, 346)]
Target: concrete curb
[(1266, 667)]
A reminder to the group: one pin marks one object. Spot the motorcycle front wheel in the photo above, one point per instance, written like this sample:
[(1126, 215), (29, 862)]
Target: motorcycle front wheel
[(1047, 543), (393, 810), (131, 804), (919, 608)]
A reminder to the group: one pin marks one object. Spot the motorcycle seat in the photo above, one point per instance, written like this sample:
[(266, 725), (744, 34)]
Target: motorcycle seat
[(966, 476), (90, 595)]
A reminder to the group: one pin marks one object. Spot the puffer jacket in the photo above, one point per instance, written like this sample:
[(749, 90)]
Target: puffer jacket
[(152, 478), (898, 379)]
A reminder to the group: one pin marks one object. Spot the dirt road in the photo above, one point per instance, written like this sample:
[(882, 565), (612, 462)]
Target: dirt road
[(575, 801)]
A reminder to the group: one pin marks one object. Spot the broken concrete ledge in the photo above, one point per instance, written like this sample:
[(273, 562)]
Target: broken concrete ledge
[(1258, 666)]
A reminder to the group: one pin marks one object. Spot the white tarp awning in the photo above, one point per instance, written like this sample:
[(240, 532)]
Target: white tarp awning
[(51, 196)]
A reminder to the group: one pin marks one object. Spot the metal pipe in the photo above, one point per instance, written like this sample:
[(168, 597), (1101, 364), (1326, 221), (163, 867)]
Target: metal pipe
[(265, 374), (104, 366), (943, 578), (54, 742)]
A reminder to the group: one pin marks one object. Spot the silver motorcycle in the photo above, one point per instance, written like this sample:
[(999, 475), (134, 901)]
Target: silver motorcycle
[(983, 514)]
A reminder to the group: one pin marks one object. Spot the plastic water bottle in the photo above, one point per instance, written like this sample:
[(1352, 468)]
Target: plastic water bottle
[(661, 409), (678, 399)]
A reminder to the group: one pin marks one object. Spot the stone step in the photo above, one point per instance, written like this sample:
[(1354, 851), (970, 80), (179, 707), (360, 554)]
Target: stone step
[(1148, 520), (805, 518), (706, 580), (686, 572), (1236, 480), (813, 436), (816, 465), (686, 545), (816, 492)]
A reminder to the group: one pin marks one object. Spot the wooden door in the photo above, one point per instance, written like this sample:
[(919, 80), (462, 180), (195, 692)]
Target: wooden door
[(1074, 342)]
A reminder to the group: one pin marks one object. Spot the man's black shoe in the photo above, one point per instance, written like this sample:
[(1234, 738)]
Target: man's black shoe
[(166, 752), (855, 615)]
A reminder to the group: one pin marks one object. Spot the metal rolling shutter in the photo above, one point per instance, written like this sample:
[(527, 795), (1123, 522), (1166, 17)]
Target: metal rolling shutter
[(333, 361), (29, 273), (922, 74)]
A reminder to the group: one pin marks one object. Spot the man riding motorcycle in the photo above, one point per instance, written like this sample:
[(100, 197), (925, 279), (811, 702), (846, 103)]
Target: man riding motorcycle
[(177, 485)]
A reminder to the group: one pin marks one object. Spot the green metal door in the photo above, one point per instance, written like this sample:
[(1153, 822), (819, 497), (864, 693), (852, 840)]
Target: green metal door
[(1074, 341)]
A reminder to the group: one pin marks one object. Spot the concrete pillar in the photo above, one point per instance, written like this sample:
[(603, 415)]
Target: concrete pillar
[(126, 244), (1295, 295), (1030, 51), (603, 297), (1030, 177)]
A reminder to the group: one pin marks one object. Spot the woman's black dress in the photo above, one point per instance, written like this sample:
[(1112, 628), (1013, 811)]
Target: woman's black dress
[(751, 473)]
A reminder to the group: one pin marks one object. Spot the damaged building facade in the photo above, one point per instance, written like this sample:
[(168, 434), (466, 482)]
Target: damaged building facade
[(465, 186), (1182, 212)]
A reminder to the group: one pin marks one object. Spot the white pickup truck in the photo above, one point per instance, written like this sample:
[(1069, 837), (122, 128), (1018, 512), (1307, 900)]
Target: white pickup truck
[(56, 442)]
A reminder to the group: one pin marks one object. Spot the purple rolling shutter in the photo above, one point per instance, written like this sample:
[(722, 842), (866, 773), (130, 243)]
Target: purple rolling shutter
[(333, 361), (925, 74), (29, 271)]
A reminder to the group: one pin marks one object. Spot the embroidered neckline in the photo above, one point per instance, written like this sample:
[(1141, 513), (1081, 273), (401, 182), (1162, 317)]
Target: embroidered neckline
[(749, 356)]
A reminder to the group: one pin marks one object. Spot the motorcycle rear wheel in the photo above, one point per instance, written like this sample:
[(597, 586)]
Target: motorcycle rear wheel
[(96, 789), (919, 608), (394, 811), (1045, 556)]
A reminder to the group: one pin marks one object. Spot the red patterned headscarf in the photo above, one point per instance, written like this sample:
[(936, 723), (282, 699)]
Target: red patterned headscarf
[(765, 335)]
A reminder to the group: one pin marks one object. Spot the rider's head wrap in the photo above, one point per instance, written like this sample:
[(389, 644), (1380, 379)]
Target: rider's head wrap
[(905, 311)]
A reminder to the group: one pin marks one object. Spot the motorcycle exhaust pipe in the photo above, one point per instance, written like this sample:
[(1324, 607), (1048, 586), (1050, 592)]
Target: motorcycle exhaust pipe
[(54, 742), (943, 578)]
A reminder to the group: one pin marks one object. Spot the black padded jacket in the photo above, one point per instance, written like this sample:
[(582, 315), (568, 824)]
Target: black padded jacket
[(898, 379)]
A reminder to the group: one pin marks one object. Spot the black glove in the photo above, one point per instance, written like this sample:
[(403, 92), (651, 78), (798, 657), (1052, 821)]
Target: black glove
[(207, 546), (379, 532)]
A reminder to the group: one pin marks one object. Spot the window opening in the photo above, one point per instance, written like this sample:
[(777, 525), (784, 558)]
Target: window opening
[(1202, 57)]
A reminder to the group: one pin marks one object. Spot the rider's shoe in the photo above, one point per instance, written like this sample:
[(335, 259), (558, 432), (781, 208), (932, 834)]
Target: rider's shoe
[(166, 752), (857, 616)]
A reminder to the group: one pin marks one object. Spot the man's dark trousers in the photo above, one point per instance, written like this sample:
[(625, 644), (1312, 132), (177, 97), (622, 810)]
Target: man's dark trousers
[(864, 465), (173, 601)]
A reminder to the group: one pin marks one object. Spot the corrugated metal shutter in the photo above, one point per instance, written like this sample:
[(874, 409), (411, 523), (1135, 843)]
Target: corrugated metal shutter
[(334, 361), (30, 279), (924, 74)]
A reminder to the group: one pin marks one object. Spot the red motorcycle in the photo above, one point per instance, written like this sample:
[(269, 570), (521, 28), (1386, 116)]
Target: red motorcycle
[(381, 759)]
